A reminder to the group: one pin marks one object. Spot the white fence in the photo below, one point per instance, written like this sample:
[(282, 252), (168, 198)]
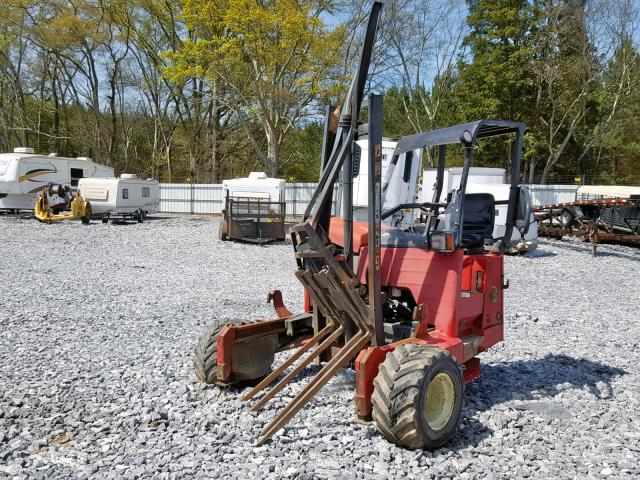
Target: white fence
[(207, 198)]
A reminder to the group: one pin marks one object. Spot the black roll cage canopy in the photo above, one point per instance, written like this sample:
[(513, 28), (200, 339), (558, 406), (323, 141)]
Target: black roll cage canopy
[(454, 134), (467, 135)]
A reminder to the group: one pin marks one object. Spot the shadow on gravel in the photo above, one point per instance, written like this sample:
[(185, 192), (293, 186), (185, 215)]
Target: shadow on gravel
[(634, 258), (504, 382), (539, 253)]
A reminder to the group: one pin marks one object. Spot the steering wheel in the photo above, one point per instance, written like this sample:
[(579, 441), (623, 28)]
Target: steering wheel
[(427, 206), (422, 206)]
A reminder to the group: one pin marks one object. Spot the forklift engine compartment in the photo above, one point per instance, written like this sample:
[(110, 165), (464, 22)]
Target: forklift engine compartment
[(413, 305)]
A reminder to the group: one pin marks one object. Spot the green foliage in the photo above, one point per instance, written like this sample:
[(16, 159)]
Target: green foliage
[(272, 57), (497, 81), (211, 90), (302, 152)]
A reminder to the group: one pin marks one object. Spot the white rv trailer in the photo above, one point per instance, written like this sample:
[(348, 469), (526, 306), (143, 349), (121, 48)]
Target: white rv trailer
[(125, 197), (23, 174), (402, 185), (484, 180), (256, 185)]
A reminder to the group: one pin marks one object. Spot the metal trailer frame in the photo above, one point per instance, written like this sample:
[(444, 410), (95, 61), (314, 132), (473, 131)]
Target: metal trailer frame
[(596, 225), (139, 216), (251, 219), (457, 287)]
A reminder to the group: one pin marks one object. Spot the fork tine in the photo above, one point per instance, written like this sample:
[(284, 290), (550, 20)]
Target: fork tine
[(294, 373)]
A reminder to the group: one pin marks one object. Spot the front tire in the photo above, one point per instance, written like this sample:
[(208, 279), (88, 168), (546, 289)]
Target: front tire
[(205, 356), (417, 396)]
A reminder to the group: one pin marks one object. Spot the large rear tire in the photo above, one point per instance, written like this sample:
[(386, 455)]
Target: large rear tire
[(417, 396), (205, 357)]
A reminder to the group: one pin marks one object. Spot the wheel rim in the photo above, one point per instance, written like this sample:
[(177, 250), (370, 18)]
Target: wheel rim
[(440, 401)]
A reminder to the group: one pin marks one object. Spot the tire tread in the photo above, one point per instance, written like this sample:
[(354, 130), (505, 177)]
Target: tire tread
[(206, 354), (396, 393)]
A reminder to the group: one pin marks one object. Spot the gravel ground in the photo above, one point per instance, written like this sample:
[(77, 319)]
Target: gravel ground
[(98, 323)]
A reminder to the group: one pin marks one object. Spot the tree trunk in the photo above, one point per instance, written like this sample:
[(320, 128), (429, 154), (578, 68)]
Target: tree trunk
[(545, 172), (532, 169), (56, 111), (94, 82), (169, 172), (215, 127), (215, 174), (273, 152), (113, 141)]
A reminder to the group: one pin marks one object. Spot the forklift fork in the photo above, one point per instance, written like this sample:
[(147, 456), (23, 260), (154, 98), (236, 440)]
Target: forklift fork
[(332, 287)]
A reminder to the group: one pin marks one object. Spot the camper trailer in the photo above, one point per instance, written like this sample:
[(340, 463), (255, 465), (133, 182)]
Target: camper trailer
[(125, 197), (254, 209), (23, 174), (485, 180)]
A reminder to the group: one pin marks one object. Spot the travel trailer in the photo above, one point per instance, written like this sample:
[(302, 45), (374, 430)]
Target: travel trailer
[(451, 179), (23, 174), (125, 197), (485, 180), (256, 185)]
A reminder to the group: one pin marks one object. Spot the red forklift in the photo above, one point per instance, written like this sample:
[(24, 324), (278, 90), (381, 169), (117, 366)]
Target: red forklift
[(408, 308)]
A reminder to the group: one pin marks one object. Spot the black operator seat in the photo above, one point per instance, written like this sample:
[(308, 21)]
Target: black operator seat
[(479, 214)]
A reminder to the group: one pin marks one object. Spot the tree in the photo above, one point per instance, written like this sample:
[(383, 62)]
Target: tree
[(566, 69), (195, 90), (498, 82), (618, 85), (495, 79), (615, 141), (271, 56), (425, 38)]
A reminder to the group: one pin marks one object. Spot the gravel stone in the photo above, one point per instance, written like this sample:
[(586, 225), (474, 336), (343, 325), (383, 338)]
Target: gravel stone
[(98, 325)]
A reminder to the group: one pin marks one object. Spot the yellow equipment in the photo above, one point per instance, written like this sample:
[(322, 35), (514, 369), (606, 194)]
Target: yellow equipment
[(80, 208)]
